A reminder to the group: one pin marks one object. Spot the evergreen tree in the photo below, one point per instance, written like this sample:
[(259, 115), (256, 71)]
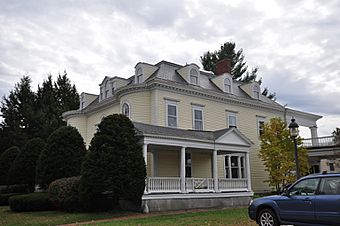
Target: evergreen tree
[(277, 152), (114, 162), (20, 120), (67, 95), (62, 157), (239, 67), (6, 160), (23, 168)]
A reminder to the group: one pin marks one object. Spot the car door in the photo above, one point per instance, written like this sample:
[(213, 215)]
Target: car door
[(299, 205), (327, 201)]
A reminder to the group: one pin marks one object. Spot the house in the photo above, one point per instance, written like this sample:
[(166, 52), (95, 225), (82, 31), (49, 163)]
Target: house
[(199, 131)]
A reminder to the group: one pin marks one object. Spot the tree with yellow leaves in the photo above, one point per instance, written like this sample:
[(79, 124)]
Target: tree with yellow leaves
[(277, 152)]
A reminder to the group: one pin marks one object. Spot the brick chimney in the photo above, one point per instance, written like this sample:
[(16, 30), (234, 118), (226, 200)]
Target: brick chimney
[(223, 66)]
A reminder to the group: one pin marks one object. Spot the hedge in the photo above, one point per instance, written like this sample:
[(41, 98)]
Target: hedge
[(30, 202), (4, 198)]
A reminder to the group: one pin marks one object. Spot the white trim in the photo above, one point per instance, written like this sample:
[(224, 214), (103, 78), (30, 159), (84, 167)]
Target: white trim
[(191, 75), (172, 103), (137, 75), (196, 195), (197, 108), (230, 84), (256, 90)]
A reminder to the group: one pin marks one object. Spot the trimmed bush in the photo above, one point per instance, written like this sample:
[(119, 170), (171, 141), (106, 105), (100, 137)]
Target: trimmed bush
[(30, 202), (23, 167), (15, 188), (6, 161), (64, 193), (4, 198), (62, 157), (114, 163)]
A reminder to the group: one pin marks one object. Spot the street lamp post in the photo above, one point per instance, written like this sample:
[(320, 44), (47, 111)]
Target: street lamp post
[(294, 133)]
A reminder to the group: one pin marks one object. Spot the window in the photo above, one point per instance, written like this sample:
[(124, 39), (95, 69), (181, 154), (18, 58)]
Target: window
[(171, 114), (193, 76), (234, 166), (113, 86), (227, 85), (197, 115), (126, 110), (106, 93), (101, 94), (256, 92), (139, 75), (260, 125), (305, 188), (232, 119), (226, 164), (330, 186), (187, 164)]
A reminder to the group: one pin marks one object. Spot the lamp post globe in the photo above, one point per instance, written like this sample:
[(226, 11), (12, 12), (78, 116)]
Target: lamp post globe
[(294, 133)]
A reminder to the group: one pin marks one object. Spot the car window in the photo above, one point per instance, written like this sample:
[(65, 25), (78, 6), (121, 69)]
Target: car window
[(304, 187), (330, 186)]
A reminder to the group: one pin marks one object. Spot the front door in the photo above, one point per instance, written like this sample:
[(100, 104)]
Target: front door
[(300, 203)]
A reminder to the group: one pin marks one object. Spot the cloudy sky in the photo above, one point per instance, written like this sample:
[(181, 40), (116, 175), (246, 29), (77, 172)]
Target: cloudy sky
[(295, 44)]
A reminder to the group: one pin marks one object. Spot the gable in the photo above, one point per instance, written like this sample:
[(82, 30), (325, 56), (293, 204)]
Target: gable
[(234, 137)]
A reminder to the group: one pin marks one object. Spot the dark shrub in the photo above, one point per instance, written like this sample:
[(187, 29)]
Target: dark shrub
[(114, 163), (4, 198), (30, 202), (64, 193), (6, 161), (15, 188), (62, 157), (23, 167)]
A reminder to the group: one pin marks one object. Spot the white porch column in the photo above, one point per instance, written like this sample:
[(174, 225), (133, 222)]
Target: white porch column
[(247, 165), (239, 166), (314, 134), (229, 164), (215, 175), (145, 153), (182, 169)]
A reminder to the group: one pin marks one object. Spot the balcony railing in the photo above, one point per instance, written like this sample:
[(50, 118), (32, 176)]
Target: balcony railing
[(320, 142)]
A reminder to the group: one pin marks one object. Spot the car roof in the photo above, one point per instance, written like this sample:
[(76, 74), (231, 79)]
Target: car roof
[(319, 175)]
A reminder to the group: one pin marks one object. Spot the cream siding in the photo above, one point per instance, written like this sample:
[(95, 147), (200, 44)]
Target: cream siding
[(79, 122), (168, 163), (140, 106), (201, 165)]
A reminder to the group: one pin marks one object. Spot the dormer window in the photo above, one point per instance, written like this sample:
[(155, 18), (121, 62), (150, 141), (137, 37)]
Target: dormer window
[(113, 86), (256, 92), (139, 76), (227, 85), (126, 110), (193, 76)]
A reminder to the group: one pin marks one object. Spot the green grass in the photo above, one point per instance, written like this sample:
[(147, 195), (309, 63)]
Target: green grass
[(231, 217), (8, 218), (210, 217)]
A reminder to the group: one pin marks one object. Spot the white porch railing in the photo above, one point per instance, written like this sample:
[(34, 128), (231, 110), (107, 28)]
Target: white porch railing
[(225, 184), (163, 184), (173, 184), (199, 184), (320, 142)]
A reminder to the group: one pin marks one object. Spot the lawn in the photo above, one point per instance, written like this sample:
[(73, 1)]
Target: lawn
[(209, 217)]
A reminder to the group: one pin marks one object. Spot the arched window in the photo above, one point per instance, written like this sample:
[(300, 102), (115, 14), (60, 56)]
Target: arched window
[(227, 85), (256, 92), (139, 78), (126, 110), (193, 76)]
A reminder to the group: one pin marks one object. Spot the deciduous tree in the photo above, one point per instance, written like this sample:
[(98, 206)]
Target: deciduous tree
[(277, 152)]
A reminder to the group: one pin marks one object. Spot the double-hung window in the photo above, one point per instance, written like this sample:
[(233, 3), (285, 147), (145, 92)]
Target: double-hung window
[(171, 114), (227, 85), (193, 77), (139, 75), (197, 117), (232, 119)]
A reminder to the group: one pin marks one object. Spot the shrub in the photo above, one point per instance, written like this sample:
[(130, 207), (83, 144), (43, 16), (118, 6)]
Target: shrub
[(64, 193), (114, 163), (30, 202), (23, 168), (15, 188), (6, 160), (4, 198), (62, 157)]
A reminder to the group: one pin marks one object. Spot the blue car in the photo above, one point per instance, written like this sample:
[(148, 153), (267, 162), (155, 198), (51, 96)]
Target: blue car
[(312, 200)]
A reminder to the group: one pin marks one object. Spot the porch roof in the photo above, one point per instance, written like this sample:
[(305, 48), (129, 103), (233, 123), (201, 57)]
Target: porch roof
[(217, 136)]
